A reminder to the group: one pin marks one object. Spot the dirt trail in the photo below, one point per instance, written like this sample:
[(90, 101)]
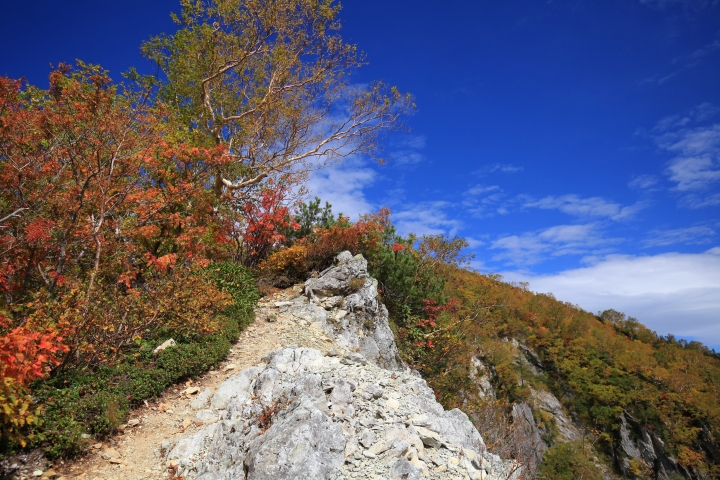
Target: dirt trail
[(134, 453)]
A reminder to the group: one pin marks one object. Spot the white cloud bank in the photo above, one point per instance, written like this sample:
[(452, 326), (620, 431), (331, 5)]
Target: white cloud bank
[(669, 293)]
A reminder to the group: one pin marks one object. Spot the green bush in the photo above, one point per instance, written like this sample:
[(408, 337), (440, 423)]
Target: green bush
[(97, 402), (406, 279), (240, 283), (568, 461)]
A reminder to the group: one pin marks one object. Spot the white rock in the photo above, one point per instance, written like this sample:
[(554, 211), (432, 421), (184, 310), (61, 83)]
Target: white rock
[(165, 345)]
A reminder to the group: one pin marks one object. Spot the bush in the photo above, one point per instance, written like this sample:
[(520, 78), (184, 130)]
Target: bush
[(97, 400), (317, 251), (568, 461)]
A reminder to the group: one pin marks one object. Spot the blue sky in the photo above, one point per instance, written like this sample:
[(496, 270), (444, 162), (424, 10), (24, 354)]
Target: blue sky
[(575, 144)]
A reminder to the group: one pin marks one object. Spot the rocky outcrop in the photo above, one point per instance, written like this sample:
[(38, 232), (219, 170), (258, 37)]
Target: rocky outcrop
[(353, 412), (642, 445), (350, 311), (307, 415)]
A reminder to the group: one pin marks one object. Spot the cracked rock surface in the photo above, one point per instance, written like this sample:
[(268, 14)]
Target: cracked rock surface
[(350, 411), (302, 414)]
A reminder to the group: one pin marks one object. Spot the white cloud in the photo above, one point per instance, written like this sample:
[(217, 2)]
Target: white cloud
[(426, 218), (480, 189), (561, 240), (585, 207), (407, 157), (693, 173), (410, 141), (696, 165), (670, 293), (405, 150), (499, 167), (696, 201), (643, 182), (687, 236), (342, 185)]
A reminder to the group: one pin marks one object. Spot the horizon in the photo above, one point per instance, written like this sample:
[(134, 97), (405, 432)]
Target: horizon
[(575, 145)]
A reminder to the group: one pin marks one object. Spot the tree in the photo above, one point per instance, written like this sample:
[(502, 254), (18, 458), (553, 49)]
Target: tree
[(269, 80)]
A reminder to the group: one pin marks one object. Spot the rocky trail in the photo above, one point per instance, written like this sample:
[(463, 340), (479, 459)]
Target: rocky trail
[(314, 388), (134, 454)]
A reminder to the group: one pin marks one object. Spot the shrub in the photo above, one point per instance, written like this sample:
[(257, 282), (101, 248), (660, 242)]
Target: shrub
[(317, 251), (96, 400), (568, 461), (24, 356), (116, 319)]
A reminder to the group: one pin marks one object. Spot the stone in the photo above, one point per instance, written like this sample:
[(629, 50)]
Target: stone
[(206, 416), (429, 438), (164, 346), (229, 367), (404, 470), (392, 403), (192, 390), (201, 400), (109, 453), (306, 444), (133, 423)]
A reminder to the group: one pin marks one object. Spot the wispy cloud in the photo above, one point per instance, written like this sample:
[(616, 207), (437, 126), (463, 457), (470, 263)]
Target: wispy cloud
[(406, 150), (499, 167), (670, 293), (483, 201), (644, 182), (343, 186), (684, 62), (482, 189), (687, 236), (534, 247), (697, 201), (585, 207), (695, 145), (426, 218)]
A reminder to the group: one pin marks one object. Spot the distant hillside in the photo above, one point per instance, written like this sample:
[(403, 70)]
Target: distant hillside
[(648, 405)]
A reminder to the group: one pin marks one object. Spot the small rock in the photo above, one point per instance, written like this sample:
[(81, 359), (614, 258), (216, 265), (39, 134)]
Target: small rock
[(192, 390), (85, 435), (392, 403), (109, 453), (166, 344), (163, 407), (97, 446), (429, 438), (229, 367), (201, 400), (117, 461), (369, 454), (133, 423), (37, 473)]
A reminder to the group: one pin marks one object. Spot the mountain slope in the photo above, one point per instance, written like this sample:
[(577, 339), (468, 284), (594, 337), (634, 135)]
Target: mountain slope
[(648, 405)]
